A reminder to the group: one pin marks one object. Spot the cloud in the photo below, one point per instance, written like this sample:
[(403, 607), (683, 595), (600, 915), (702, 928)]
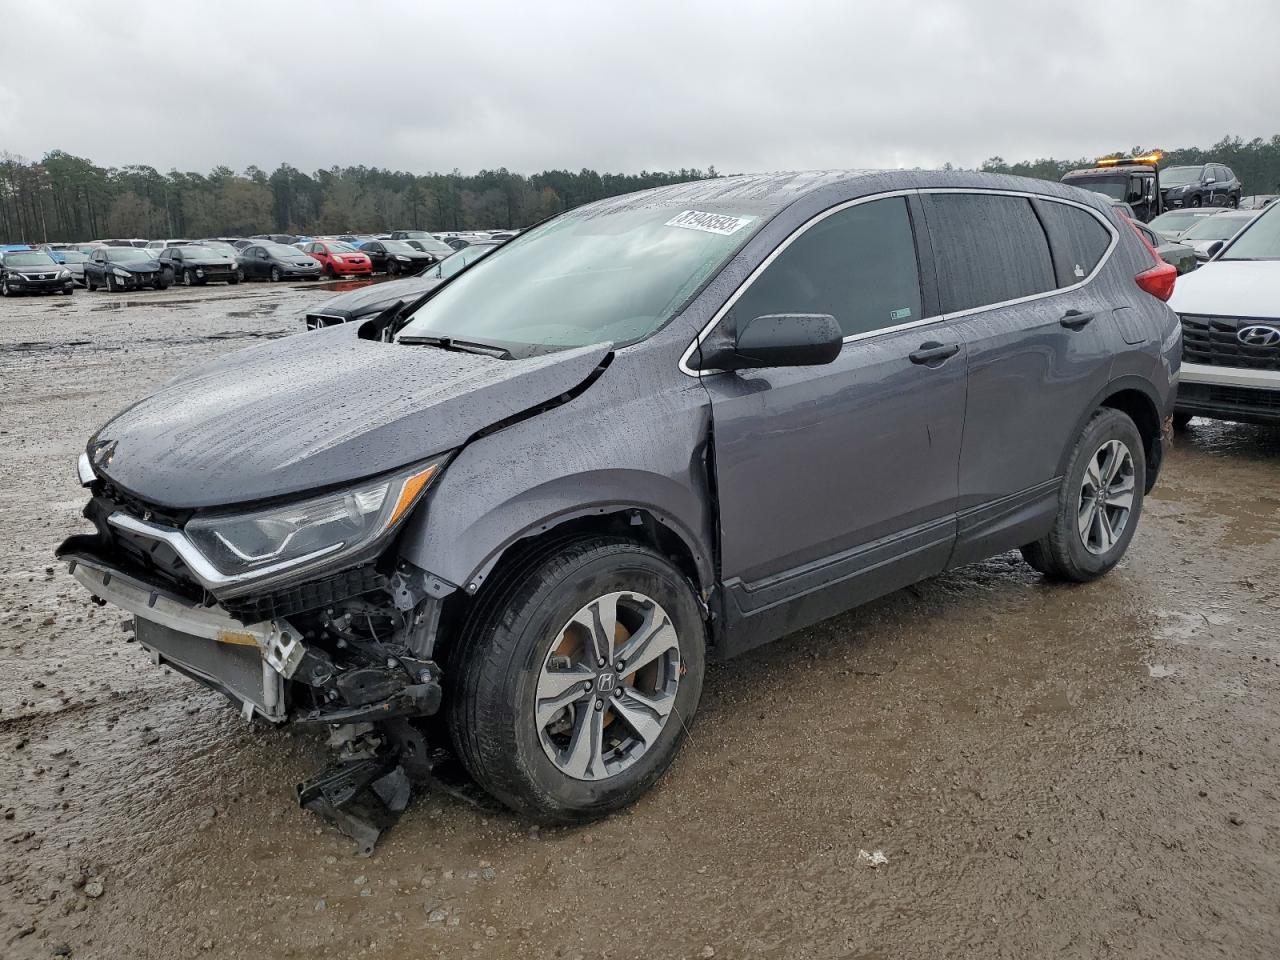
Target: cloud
[(624, 87)]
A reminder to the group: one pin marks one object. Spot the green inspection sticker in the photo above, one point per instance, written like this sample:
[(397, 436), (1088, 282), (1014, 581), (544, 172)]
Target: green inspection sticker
[(900, 314)]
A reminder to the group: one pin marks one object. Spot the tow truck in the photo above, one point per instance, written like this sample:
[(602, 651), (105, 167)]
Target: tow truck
[(1131, 180)]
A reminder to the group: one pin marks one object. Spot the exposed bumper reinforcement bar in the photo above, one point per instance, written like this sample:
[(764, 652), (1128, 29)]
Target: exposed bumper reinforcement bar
[(177, 632)]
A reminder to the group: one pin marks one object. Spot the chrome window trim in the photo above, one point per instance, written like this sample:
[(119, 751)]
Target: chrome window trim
[(924, 321)]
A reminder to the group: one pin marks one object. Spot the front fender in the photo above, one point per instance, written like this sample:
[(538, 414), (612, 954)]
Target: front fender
[(625, 443)]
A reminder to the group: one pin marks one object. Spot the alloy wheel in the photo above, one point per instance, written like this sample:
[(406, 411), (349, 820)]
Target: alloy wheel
[(607, 686), (1106, 497)]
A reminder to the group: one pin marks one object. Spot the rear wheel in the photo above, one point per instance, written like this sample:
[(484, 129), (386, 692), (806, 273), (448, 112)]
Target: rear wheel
[(1099, 502), (575, 678)]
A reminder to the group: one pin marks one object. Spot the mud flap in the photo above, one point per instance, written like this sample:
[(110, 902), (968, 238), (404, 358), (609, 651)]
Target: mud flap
[(362, 798)]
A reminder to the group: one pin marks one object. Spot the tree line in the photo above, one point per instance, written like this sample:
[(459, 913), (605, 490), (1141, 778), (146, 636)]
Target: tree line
[(62, 197)]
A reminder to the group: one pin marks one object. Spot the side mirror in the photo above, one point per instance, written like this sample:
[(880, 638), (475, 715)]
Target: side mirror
[(1209, 180), (1215, 247), (782, 340)]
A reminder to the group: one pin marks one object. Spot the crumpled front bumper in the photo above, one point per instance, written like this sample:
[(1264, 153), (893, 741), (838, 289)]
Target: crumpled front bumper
[(246, 663)]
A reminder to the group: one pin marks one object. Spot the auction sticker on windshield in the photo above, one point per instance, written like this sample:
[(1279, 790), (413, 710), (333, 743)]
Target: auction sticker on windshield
[(709, 222)]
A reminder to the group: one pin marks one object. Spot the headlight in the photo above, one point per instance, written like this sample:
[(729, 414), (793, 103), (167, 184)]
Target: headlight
[(120, 273), (64, 275), (398, 257), (199, 272), (261, 542)]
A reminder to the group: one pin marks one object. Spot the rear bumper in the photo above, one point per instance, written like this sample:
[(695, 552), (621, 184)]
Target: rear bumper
[(204, 643)]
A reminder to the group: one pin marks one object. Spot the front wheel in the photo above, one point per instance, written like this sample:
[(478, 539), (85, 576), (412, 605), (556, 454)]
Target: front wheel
[(1099, 502), (4, 289), (576, 677), (275, 274), (113, 285), (1195, 201)]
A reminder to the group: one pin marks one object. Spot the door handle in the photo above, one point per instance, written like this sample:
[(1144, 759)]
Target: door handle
[(933, 353), (1075, 320)]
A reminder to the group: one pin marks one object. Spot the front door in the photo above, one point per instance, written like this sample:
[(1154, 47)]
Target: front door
[(838, 483)]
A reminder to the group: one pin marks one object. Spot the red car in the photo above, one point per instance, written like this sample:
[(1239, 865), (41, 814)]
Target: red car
[(338, 258)]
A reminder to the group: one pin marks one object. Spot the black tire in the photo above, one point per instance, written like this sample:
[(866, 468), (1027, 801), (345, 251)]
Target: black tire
[(89, 283), (1195, 201), (1062, 554), (491, 677), (68, 291), (1181, 421), (188, 278), (392, 268), (233, 279), (4, 289), (113, 285), (162, 283), (275, 274), (1234, 203)]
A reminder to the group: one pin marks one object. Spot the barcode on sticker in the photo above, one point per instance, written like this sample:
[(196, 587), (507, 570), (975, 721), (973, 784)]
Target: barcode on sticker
[(709, 222)]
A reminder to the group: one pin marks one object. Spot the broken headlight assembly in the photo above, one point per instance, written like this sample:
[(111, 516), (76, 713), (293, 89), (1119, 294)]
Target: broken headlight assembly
[(237, 547)]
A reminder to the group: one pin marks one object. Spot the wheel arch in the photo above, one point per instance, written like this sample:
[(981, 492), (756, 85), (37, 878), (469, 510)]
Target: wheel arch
[(1136, 398)]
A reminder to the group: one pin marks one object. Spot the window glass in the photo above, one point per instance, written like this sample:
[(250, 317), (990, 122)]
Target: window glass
[(1077, 239), (989, 249), (858, 265)]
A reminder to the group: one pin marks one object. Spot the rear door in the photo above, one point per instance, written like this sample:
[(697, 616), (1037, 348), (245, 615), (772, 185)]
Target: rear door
[(1040, 340), (838, 483)]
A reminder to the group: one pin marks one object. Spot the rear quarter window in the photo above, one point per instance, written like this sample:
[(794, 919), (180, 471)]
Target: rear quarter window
[(988, 248), (1078, 241)]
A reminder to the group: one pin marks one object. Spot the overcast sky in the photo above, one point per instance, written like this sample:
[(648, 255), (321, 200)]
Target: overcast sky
[(624, 86)]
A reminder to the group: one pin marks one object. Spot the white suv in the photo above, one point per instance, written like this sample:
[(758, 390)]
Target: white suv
[(1230, 310)]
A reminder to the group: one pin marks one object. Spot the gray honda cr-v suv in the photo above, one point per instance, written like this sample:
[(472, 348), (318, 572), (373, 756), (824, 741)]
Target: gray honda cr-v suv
[(659, 428)]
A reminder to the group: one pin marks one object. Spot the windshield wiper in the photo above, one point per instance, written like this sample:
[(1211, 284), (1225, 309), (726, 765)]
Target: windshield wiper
[(462, 346)]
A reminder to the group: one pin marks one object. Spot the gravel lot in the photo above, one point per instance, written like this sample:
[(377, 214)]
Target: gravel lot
[(1047, 771)]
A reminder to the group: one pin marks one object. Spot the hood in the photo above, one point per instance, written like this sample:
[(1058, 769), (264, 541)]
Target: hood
[(208, 262), (139, 266), (320, 409), (377, 295), (302, 260), (1233, 288)]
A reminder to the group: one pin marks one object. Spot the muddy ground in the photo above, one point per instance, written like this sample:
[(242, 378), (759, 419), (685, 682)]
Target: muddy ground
[(1048, 771)]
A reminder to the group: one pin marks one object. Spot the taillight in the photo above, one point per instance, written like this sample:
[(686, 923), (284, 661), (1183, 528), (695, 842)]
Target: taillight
[(1159, 280)]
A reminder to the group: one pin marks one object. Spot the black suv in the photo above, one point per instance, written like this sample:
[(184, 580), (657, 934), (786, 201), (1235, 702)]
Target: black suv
[(1206, 185), (656, 429)]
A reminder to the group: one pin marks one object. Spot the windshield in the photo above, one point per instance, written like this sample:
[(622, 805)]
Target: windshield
[(1179, 220), (337, 246), (1261, 241), (221, 249), (197, 251), (414, 235), (280, 250), (399, 246), (1179, 176), (28, 260), (431, 245), (456, 261), (128, 254), (1115, 187), (586, 277), (1221, 227), (74, 256)]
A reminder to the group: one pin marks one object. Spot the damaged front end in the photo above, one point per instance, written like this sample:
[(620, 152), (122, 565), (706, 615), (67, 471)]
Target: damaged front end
[(297, 612)]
